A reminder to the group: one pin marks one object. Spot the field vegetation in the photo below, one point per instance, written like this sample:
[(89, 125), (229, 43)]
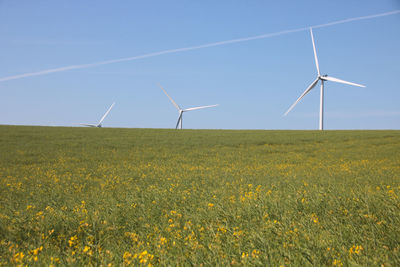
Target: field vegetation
[(111, 197)]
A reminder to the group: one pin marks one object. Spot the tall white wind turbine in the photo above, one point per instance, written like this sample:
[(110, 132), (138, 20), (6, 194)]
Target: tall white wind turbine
[(101, 120), (180, 110), (321, 78)]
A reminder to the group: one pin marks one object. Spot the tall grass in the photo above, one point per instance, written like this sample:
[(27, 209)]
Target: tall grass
[(80, 196)]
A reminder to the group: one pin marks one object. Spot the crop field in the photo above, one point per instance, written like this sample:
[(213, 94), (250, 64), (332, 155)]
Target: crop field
[(111, 197)]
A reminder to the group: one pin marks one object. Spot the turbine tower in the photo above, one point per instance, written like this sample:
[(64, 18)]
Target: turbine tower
[(181, 111), (101, 120), (322, 78)]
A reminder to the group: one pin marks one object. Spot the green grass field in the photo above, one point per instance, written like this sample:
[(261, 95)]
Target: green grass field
[(84, 196)]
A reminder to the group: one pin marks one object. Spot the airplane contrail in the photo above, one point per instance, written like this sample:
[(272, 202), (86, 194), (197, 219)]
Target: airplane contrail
[(170, 51)]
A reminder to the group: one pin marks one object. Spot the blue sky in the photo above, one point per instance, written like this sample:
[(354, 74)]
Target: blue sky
[(254, 82)]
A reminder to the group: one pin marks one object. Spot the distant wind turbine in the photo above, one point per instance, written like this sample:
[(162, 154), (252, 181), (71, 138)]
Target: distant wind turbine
[(321, 78), (180, 110), (101, 120)]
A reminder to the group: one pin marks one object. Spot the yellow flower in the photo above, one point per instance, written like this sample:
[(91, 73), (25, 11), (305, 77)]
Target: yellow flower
[(337, 263), (127, 255), (36, 251), (144, 257), (210, 205), (238, 233), (355, 249), (19, 257), (221, 229), (57, 260), (255, 253), (163, 240), (133, 236), (314, 218), (72, 240)]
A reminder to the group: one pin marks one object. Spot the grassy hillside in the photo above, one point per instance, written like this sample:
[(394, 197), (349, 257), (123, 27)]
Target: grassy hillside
[(85, 196)]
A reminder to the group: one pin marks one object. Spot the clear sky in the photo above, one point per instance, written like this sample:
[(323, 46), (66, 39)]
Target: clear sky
[(254, 81)]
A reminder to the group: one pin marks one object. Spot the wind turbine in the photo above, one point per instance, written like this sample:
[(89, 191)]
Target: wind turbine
[(321, 78), (101, 120), (180, 110)]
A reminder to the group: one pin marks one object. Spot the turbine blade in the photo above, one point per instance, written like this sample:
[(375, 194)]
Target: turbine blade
[(333, 79), (312, 85), (179, 119), (173, 102), (89, 125), (189, 109), (315, 52), (105, 114)]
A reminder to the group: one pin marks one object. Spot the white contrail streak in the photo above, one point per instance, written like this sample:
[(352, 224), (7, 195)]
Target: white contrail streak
[(170, 51)]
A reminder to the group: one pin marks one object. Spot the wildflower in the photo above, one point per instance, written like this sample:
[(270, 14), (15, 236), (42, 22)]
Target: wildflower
[(71, 241), (133, 236), (163, 240), (36, 251), (255, 253), (19, 257), (314, 218), (337, 263), (237, 233), (221, 229), (127, 257), (56, 260), (210, 205), (355, 249), (144, 257)]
